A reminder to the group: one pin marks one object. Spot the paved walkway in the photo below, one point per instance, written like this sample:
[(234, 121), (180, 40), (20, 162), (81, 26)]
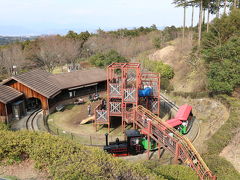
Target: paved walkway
[(20, 124)]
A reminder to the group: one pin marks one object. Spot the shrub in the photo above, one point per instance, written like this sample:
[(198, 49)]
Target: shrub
[(221, 50), (157, 42), (220, 166), (227, 131), (3, 126), (66, 159), (173, 172), (104, 59), (166, 85), (165, 70)]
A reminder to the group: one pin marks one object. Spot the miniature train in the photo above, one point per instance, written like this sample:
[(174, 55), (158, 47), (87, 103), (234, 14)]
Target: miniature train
[(135, 143), (183, 120)]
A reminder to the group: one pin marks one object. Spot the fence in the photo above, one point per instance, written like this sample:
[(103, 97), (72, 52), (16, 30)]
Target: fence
[(99, 140), (89, 140)]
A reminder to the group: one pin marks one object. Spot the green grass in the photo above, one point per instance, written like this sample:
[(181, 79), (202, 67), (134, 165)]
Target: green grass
[(11, 178)]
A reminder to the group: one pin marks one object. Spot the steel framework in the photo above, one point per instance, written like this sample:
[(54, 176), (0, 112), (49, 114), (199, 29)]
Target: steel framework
[(124, 80)]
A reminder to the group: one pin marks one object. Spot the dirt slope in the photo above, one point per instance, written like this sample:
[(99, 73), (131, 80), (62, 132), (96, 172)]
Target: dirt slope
[(232, 151), (23, 171), (189, 76)]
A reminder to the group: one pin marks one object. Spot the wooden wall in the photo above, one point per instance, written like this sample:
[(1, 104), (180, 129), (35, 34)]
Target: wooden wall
[(2, 113), (29, 93), (2, 109)]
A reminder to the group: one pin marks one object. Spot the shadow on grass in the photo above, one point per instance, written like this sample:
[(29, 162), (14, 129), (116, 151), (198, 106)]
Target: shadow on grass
[(69, 107)]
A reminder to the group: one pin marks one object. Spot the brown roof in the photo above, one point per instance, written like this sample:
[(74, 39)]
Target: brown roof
[(8, 94), (49, 85), (39, 81), (79, 78)]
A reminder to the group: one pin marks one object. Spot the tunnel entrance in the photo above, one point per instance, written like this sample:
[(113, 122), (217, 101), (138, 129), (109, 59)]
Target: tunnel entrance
[(33, 104)]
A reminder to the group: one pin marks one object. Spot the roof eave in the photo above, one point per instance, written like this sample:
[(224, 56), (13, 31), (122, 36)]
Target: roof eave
[(47, 96)]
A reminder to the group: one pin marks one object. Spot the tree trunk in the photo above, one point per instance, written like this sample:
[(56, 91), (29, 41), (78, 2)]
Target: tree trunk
[(208, 17), (235, 4), (225, 6), (184, 21), (192, 15), (200, 24), (218, 8), (204, 12)]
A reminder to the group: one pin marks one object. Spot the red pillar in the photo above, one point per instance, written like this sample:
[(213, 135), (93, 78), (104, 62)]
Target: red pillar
[(149, 141), (176, 154)]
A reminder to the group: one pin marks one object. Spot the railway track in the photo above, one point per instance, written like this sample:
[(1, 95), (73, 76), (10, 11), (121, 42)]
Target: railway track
[(172, 140), (32, 121), (169, 103), (193, 128)]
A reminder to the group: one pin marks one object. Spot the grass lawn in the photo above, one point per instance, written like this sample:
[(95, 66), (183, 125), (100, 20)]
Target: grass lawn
[(67, 123)]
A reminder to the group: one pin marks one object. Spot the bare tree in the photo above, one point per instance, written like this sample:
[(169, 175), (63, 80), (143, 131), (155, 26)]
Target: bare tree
[(208, 18), (48, 53), (184, 20), (184, 4), (72, 50), (11, 56), (200, 23), (218, 9), (192, 15), (235, 4), (225, 6)]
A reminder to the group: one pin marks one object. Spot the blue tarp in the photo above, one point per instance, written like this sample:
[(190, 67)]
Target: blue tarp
[(145, 92)]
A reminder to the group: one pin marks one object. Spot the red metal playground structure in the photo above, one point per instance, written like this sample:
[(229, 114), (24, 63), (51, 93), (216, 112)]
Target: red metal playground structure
[(135, 97)]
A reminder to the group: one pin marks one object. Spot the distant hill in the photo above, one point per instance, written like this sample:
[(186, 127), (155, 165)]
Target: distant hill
[(9, 39)]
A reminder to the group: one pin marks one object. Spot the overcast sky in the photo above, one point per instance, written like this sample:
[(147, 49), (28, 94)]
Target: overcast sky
[(35, 17)]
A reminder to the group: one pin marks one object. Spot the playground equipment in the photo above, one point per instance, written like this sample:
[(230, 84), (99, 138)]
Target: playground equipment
[(127, 88), (166, 137), (135, 97)]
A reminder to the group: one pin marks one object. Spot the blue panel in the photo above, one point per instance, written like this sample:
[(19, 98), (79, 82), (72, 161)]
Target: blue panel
[(145, 92)]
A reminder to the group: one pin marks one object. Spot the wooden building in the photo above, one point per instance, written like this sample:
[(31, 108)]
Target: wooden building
[(35, 84), (8, 96), (43, 89)]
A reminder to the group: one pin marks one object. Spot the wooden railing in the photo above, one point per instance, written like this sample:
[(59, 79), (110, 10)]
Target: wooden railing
[(101, 116), (171, 139)]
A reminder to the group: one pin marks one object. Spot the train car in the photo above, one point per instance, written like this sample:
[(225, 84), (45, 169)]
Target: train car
[(183, 120), (135, 143)]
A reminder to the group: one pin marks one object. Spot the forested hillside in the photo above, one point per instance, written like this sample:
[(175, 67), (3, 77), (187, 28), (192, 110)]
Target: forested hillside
[(221, 52), (48, 52), (4, 40)]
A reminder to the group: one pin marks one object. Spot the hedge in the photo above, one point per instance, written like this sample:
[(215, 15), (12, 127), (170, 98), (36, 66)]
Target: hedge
[(219, 165), (174, 172), (65, 159)]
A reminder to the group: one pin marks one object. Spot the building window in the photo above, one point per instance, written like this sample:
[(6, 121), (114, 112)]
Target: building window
[(72, 94)]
